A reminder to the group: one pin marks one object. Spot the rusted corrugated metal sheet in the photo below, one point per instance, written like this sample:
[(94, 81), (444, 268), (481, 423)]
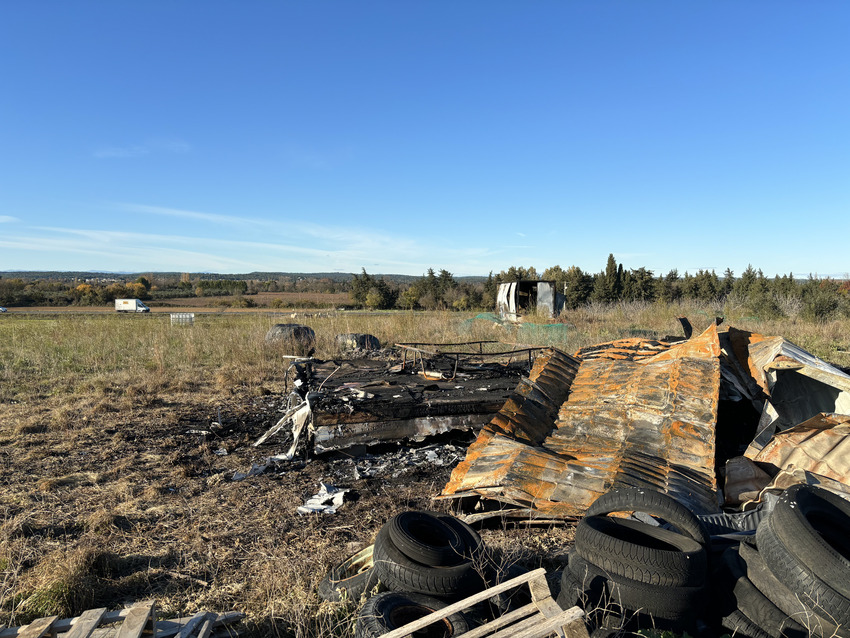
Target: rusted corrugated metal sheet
[(633, 349), (798, 386), (511, 441), (820, 445), (643, 423)]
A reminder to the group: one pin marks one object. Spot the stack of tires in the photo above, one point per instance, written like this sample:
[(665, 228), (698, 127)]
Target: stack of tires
[(794, 580), (632, 575), (424, 559)]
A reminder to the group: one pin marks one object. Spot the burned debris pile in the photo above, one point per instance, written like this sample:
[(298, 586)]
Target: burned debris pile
[(708, 476), (379, 398)]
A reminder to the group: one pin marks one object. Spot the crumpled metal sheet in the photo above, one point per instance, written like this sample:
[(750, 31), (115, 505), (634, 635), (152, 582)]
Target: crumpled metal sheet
[(647, 423), (798, 386), (820, 445), (511, 440)]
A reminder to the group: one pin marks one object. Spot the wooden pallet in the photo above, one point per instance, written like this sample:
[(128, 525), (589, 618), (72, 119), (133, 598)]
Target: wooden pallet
[(539, 618), (135, 622)]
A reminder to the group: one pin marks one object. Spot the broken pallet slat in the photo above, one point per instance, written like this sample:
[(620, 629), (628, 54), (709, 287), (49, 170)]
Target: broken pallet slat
[(86, 623), (569, 623), (169, 628), (164, 628), (532, 620), (40, 627), (463, 604), (542, 597), (522, 628), (203, 622), (139, 618), (206, 628), (194, 621), (505, 619)]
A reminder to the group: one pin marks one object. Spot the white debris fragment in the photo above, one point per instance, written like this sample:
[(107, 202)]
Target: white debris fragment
[(327, 501), (256, 469)]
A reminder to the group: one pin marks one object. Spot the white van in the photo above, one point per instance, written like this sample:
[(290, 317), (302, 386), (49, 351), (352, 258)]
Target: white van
[(130, 305)]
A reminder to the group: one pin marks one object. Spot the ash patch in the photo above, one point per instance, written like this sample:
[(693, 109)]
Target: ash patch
[(396, 464)]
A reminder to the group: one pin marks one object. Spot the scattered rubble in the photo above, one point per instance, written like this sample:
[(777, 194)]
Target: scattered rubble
[(718, 441)]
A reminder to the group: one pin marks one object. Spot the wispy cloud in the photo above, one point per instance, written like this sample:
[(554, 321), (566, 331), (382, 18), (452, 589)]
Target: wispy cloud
[(190, 214), (157, 145), (6, 219), (301, 249)]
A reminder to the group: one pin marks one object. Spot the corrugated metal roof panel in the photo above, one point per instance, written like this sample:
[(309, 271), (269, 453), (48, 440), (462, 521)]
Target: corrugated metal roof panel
[(646, 423)]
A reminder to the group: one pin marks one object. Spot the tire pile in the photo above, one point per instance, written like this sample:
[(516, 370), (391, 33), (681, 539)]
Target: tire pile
[(794, 579), (791, 579), (628, 575), (423, 559)]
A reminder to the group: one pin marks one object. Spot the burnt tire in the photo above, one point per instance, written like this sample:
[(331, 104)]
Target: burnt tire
[(423, 537), (786, 600), (737, 591), (401, 573), (390, 610), (351, 579), (813, 524), (814, 593), (664, 506), (641, 552)]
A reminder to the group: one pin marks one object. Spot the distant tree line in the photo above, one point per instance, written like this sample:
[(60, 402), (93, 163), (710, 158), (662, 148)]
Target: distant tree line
[(99, 291), (781, 296)]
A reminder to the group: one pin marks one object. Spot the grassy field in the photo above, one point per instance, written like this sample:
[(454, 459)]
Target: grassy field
[(108, 496)]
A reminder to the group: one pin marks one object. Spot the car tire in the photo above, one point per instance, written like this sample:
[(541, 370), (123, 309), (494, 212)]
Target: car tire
[(401, 573), (815, 594), (813, 524), (738, 624), (388, 611), (423, 537), (664, 506), (787, 601), (641, 603), (641, 552), (737, 591)]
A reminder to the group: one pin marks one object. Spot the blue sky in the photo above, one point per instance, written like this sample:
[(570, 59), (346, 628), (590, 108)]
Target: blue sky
[(329, 136)]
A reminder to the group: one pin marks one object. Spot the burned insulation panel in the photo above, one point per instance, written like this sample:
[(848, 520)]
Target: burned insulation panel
[(365, 402)]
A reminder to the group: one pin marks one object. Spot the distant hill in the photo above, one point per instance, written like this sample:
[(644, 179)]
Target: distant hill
[(29, 275)]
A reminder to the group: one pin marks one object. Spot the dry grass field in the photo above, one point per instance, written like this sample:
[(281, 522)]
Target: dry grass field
[(107, 497)]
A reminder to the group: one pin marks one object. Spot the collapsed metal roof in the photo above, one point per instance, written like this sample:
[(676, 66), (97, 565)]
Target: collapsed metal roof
[(606, 422)]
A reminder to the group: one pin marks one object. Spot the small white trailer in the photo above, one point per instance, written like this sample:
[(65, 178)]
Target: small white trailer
[(130, 305)]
